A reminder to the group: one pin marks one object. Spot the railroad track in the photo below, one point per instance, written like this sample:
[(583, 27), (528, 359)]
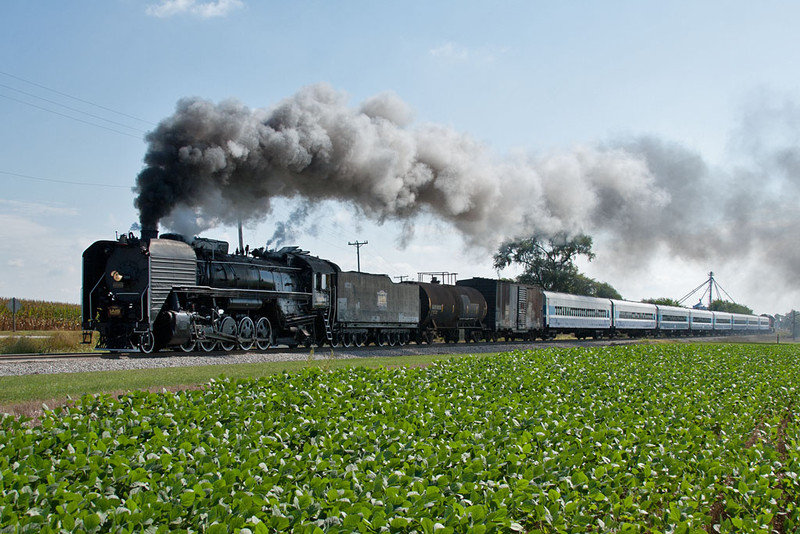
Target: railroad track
[(356, 352), (43, 357)]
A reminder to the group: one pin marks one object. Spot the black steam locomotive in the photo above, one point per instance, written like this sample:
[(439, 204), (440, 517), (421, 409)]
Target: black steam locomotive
[(153, 293), (148, 294)]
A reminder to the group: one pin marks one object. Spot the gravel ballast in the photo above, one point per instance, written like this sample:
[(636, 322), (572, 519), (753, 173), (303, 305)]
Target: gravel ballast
[(99, 362)]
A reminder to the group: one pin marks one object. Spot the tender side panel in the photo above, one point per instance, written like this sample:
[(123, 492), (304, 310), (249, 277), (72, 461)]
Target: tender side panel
[(373, 300)]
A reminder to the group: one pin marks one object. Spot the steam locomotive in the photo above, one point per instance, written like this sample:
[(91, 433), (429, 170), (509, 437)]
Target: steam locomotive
[(152, 293)]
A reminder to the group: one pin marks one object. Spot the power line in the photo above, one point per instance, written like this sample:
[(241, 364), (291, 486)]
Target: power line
[(29, 177), (76, 110), (76, 98), (71, 117)]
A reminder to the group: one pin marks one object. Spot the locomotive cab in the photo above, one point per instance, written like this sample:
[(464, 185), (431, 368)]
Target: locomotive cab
[(318, 280)]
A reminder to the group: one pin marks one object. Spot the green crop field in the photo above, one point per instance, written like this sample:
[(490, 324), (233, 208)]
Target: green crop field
[(40, 315), (661, 438)]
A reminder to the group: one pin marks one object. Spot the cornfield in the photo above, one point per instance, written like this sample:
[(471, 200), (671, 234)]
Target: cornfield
[(41, 315)]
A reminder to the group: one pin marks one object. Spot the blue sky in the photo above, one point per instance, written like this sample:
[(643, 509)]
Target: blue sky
[(82, 82)]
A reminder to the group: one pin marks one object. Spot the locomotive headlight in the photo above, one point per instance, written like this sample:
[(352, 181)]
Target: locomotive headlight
[(118, 276)]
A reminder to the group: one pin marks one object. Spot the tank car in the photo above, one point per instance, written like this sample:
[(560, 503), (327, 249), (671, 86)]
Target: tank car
[(450, 312), (148, 294)]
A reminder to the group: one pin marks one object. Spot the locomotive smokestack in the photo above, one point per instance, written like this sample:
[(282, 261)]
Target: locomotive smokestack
[(149, 232)]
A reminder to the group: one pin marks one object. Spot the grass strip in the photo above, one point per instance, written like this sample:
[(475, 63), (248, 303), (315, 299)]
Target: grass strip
[(43, 388)]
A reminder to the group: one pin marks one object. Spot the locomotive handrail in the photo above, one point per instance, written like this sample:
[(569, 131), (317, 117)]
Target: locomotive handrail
[(229, 292), (146, 293), (141, 303), (91, 295), (280, 268)]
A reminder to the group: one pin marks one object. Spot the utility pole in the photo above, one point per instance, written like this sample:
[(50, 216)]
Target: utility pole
[(358, 245)]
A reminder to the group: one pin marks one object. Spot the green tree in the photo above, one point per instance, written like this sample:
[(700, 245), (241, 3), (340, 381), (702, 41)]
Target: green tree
[(583, 285), (731, 307), (663, 301), (549, 262)]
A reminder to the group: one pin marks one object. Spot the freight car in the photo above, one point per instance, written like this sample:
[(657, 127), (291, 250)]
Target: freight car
[(513, 310)]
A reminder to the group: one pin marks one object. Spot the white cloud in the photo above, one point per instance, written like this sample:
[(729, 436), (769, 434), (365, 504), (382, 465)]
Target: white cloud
[(206, 10)]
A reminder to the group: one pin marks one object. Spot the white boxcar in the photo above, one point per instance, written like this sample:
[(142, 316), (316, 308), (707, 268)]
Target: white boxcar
[(723, 322), (701, 321), (673, 319), (582, 316), (633, 318)]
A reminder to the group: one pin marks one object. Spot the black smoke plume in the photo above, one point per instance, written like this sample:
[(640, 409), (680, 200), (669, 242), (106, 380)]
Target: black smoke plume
[(219, 163), (212, 164)]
